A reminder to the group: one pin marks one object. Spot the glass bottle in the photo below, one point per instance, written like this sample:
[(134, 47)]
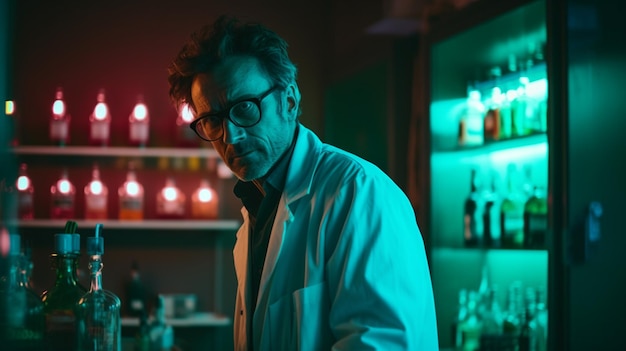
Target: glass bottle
[(461, 315), (472, 216), (170, 201), (60, 300), (98, 320), (12, 125), (79, 274), (100, 121), (161, 334), (63, 196), (541, 318), (204, 202), (135, 292), (492, 119), (472, 325), (142, 337), (59, 120), (473, 120), (139, 124), (536, 220), (96, 197), (491, 217), (491, 317), (512, 213), (25, 194), (512, 322), (24, 324), (131, 198)]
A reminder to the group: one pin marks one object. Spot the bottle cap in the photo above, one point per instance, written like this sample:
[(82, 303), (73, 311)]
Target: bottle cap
[(75, 243), (95, 244), (63, 243), (14, 244)]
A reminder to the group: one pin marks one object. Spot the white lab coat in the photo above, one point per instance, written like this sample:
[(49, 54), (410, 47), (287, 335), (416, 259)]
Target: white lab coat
[(345, 268)]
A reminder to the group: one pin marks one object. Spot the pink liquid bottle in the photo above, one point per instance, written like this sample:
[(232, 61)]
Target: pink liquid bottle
[(62, 195), (100, 122), (60, 120), (139, 124), (25, 194)]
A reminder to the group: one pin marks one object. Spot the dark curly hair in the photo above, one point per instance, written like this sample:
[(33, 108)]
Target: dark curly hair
[(228, 37)]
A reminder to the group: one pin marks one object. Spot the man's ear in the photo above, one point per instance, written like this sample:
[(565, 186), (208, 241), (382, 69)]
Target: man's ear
[(293, 99)]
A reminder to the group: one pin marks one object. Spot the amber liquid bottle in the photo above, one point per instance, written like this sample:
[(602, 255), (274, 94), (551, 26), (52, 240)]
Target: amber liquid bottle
[(131, 198)]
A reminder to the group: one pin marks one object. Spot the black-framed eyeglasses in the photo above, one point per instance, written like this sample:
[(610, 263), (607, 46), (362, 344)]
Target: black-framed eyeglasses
[(244, 113)]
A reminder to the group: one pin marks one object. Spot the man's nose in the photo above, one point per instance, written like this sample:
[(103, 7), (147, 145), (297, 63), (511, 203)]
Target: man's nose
[(232, 132)]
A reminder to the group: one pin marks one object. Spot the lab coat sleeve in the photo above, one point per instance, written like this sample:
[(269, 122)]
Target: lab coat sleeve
[(378, 278)]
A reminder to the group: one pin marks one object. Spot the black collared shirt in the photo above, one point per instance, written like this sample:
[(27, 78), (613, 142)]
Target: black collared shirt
[(262, 206)]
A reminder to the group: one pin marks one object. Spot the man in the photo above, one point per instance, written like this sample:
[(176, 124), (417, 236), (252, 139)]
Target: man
[(329, 255)]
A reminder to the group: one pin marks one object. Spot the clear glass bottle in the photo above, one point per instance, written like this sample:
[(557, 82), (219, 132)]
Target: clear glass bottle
[(473, 130), (491, 316), (131, 198), (161, 334), (472, 325), (25, 194), (472, 215), (96, 197), (204, 202), (23, 324), (170, 201), (100, 121), (63, 195), (139, 124), (541, 318), (60, 300), (512, 213), (98, 320), (461, 315), (536, 220), (59, 120)]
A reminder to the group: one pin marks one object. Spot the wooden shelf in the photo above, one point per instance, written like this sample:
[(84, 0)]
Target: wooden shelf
[(114, 151), (200, 319), (152, 224)]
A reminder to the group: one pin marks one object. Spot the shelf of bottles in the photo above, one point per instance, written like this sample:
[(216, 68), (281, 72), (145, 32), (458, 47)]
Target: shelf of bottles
[(132, 186), (489, 177)]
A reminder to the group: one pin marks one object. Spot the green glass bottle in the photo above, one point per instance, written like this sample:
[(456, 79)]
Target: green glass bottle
[(512, 214), (23, 325), (59, 301), (536, 220), (98, 320)]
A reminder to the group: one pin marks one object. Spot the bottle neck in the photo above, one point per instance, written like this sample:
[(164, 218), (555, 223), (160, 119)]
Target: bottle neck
[(95, 267), (65, 268)]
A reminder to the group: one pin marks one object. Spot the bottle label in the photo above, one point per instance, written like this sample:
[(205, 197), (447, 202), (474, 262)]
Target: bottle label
[(132, 203), (139, 132), (100, 131), (63, 202), (59, 130), (60, 327), (96, 202)]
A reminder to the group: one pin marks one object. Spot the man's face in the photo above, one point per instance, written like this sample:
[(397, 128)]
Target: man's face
[(248, 152)]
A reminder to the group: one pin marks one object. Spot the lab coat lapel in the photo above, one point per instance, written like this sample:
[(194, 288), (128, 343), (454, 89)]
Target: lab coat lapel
[(283, 216), (240, 253)]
